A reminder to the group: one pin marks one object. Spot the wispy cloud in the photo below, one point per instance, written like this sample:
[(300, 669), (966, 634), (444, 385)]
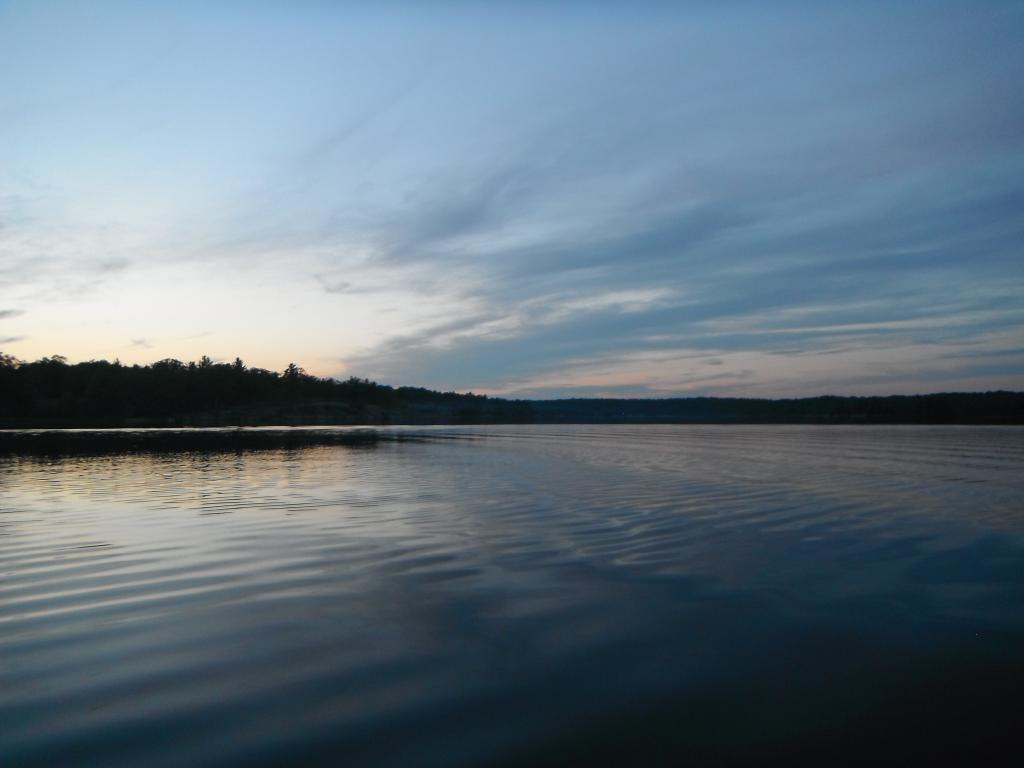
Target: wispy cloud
[(688, 199)]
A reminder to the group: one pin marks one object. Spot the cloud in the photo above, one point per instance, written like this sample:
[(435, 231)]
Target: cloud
[(690, 198), (8, 313), (745, 281), (43, 256), (334, 286)]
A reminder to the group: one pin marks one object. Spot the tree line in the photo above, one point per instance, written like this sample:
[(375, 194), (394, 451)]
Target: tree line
[(51, 392)]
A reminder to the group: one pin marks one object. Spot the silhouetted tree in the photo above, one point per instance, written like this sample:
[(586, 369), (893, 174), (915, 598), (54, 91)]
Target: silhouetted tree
[(50, 392)]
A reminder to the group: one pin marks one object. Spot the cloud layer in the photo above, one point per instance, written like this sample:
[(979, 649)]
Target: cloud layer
[(654, 201)]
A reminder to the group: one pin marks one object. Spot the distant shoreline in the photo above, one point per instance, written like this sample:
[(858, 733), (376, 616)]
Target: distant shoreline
[(52, 394), (425, 408)]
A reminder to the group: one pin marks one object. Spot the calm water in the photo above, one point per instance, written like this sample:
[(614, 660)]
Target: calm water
[(519, 595)]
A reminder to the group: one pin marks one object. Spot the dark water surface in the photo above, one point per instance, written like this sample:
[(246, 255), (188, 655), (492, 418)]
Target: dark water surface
[(519, 595)]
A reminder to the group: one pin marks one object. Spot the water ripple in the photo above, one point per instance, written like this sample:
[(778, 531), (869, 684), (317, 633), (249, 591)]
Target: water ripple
[(452, 601)]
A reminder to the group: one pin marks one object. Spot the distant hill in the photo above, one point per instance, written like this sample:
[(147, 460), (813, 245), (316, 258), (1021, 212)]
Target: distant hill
[(53, 393)]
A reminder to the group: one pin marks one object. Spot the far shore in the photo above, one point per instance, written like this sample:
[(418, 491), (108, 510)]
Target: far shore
[(51, 393)]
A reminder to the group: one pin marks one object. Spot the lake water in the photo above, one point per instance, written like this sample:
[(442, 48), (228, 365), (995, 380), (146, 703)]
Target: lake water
[(521, 596)]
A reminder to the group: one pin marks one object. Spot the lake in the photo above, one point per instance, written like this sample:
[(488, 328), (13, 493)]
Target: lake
[(518, 596)]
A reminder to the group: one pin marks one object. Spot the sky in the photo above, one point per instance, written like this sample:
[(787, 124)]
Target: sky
[(549, 200)]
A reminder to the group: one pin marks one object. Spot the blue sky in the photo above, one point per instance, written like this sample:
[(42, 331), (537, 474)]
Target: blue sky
[(765, 199)]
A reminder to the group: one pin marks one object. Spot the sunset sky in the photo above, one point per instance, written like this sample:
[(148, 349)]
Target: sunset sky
[(765, 199)]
